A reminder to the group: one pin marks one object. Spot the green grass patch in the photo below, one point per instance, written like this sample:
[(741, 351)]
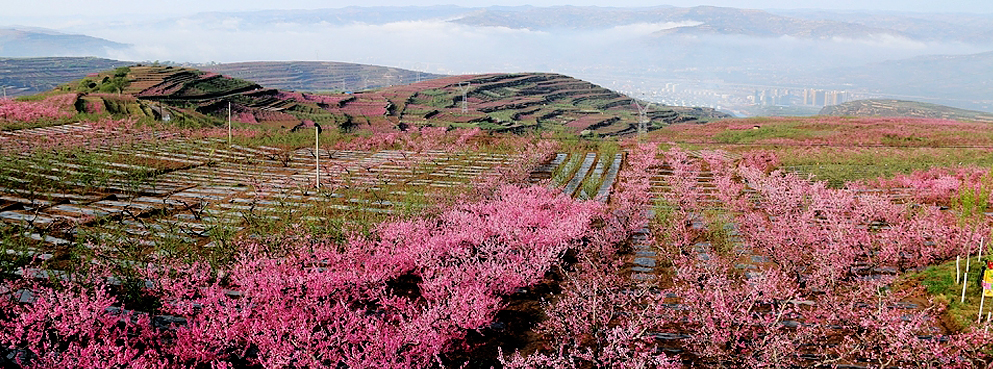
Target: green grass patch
[(840, 165), (939, 281), (745, 136)]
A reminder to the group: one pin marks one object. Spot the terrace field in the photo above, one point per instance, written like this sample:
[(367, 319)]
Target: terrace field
[(411, 234)]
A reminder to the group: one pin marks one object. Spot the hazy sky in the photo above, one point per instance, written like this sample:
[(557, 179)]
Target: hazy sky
[(12, 9)]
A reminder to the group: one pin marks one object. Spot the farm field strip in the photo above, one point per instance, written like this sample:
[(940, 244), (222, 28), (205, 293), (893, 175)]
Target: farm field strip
[(602, 174), (92, 135), (216, 187)]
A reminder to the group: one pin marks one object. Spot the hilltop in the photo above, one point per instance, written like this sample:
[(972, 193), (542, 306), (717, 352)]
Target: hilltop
[(901, 108)]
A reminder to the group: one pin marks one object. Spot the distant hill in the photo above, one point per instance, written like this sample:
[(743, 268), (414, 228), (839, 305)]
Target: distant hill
[(970, 28), (28, 76), (19, 43), (901, 108), (319, 76)]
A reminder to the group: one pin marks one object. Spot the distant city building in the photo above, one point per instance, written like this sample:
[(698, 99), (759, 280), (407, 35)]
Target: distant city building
[(814, 97)]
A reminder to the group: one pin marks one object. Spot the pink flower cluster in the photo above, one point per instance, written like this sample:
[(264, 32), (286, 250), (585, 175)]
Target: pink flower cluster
[(398, 298), (416, 139), (932, 186), (51, 108), (330, 100)]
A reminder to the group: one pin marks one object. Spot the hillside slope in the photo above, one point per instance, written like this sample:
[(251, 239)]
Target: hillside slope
[(902, 108)]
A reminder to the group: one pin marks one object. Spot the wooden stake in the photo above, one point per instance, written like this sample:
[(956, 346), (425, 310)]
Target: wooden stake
[(958, 270), (980, 258), (962, 301), (967, 258), (317, 154), (982, 298)]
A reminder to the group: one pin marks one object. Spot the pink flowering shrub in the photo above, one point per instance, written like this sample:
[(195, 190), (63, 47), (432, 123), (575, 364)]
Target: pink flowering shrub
[(399, 298), (77, 324), (51, 108), (94, 107), (936, 185), (762, 160), (416, 139)]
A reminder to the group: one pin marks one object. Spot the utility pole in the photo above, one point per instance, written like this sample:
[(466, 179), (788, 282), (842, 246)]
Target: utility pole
[(642, 117), (464, 87)]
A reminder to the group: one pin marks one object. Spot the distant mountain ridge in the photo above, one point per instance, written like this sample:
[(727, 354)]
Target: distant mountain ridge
[(732, 21), (902, 108), (34, 42), (705, 19), (711, 19), (973, 28)]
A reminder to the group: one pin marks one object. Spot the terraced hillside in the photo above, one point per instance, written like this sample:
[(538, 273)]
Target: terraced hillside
[(494, 102), (902, 108), (29, 76), (319, 76), (196, 97), (530, 101)]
